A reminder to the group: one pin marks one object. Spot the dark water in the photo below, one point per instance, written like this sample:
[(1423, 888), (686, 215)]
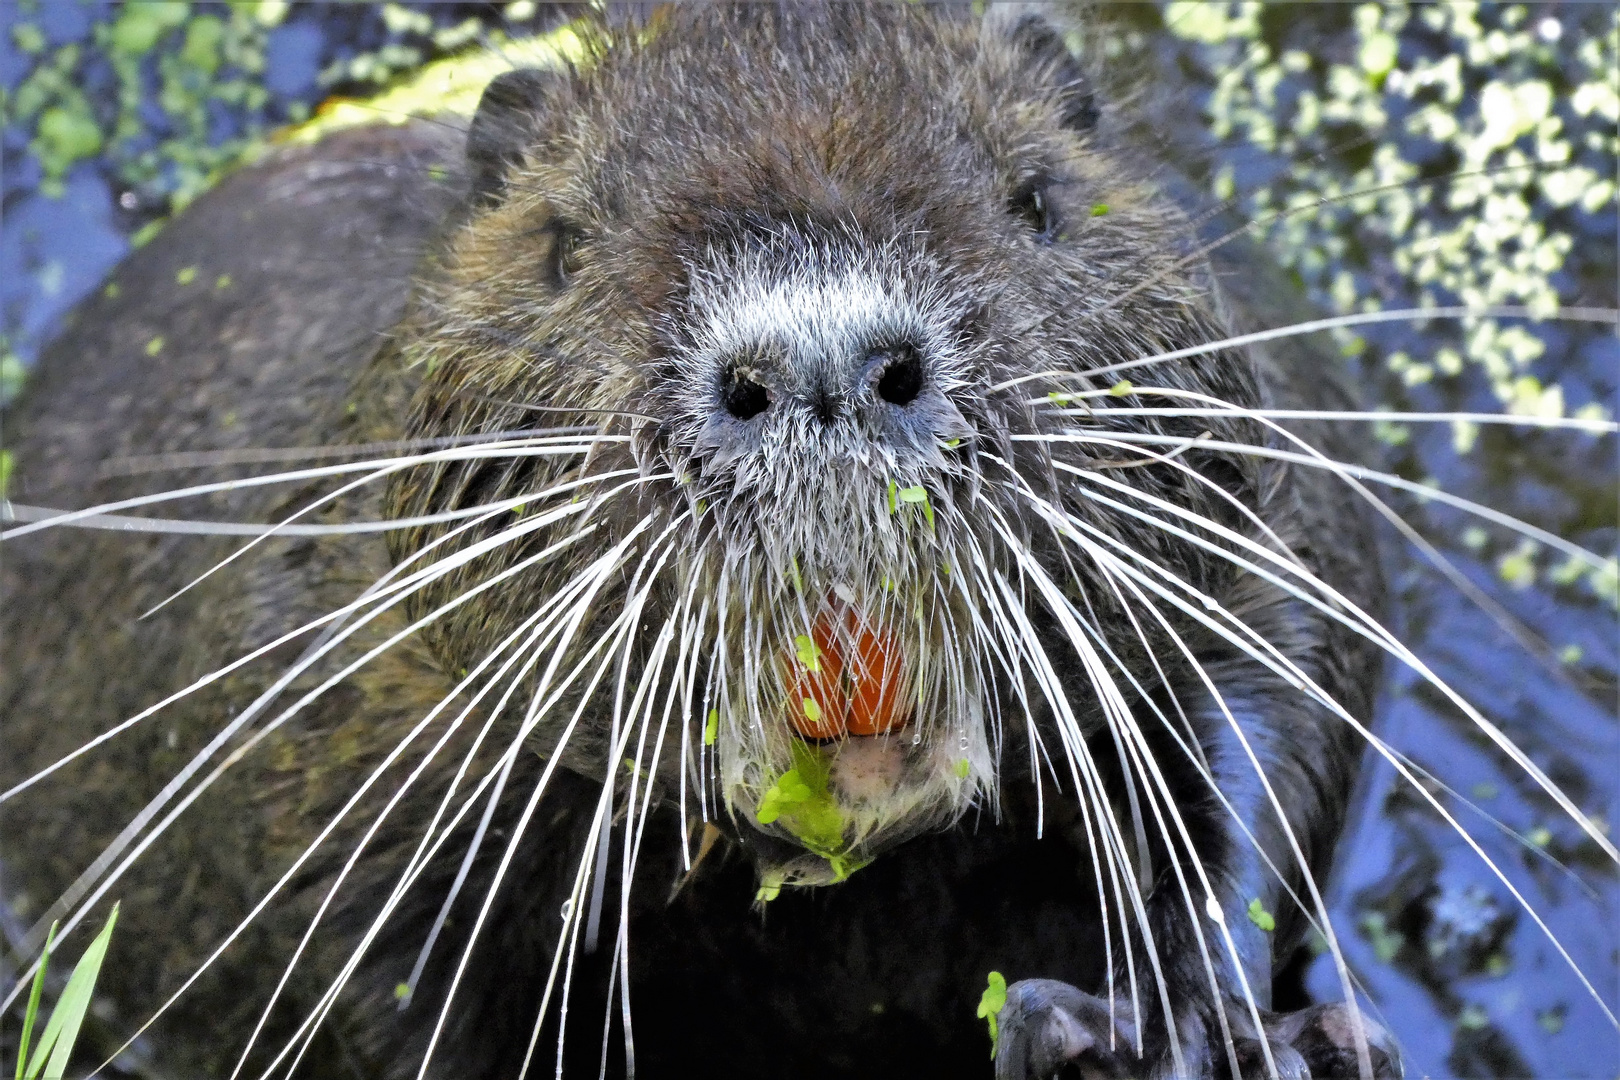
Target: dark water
[(1456, 968)]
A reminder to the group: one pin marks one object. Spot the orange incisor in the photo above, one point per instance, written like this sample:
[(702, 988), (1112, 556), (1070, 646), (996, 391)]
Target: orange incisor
[(848, 679)]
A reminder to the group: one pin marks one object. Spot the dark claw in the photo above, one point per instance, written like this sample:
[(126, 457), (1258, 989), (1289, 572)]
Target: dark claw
[(1046, 1025)]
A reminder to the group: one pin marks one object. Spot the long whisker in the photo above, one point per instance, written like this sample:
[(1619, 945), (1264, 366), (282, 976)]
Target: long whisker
[(527, 626), (332, 618), (137, 464), (1559, 423), (619, 549), (1111, 566), (1496, 735), (381, 466), (382, 599), (607, 644), (1360, 318), (1346, 469), (1108, 696), (151, 835), (1257, 647)]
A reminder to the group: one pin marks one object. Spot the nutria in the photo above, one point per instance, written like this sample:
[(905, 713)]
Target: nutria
[(749, 405)]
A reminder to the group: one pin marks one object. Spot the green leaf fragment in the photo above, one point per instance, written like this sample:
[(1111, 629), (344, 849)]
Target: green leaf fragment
[(7, 463), (34, 994), (11, 377), (204, 36), (145, 233), (991, 1002), (1058, 399), (28, 38), (62, 1031), (186, 275), (66, 135), (711, 728), (1386, 942), (917, 496), (893, 502), (1260, 916), (111, 291), (223, 281), (402, 991), (800, 800), (770, 886), (154, 346), (812, 711), (808, 652), (1121, 388), (963, 767), (1099, 209)]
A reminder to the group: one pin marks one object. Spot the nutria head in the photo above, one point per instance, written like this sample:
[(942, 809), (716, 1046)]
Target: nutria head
[(806, 306)]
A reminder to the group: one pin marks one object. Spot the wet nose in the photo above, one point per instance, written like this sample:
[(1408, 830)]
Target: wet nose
[(887, 375)]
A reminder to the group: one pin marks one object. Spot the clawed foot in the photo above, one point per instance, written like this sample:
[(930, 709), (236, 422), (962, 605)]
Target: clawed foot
[(1325, 1036), (1047, 1027)]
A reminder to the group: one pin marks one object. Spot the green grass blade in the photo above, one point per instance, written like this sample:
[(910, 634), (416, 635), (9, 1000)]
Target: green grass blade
[(33, 999), (63, 1029)]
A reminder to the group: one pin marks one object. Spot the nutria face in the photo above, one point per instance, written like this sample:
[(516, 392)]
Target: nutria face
[(791, 315)]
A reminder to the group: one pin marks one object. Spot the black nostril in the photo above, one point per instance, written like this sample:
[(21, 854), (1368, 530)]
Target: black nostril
[(902, 377), (741, 396)]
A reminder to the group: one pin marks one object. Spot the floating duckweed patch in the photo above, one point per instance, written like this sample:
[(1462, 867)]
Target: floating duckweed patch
[(143, 106), (1519, 114), (1400, 155)]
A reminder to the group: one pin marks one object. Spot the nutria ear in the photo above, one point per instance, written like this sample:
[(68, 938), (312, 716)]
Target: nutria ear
[(1039, 32), (509, 115)]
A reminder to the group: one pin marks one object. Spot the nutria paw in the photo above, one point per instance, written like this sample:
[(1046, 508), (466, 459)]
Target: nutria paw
[(1047, 1025), (1324, 1035)]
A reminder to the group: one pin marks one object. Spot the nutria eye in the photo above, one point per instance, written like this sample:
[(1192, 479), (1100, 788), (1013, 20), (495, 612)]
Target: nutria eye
[(565, 245), (902, 377), (741, 396), (1031, 205)]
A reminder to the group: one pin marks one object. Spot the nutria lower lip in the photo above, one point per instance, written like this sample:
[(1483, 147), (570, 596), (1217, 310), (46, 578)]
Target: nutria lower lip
[(848, 677)]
